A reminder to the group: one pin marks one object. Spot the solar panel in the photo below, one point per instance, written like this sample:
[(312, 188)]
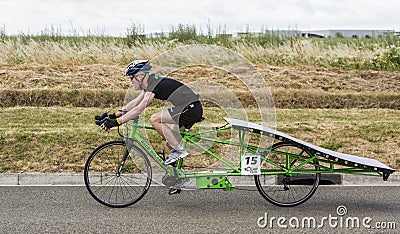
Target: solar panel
[(332, 155)]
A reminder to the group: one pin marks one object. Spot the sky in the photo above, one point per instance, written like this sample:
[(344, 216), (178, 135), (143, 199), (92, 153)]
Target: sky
[(115, 17)]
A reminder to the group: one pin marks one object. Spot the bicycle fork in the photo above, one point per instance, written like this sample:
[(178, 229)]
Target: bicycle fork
[(129, 144), (121, 164)]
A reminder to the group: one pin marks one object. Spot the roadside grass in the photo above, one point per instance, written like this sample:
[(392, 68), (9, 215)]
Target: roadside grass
[(59, 139)]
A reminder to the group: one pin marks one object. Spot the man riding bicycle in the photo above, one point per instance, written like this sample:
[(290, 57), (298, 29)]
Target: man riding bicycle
[(186, 110)]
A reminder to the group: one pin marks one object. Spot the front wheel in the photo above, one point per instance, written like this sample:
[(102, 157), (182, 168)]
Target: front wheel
[(288, 189), (116, 177)]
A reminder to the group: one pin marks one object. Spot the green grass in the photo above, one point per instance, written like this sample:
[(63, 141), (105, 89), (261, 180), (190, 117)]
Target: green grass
[(59, 139)]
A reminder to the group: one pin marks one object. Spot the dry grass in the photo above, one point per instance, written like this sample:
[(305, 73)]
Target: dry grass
[(105, 85), (347, 54), (100, 76), (63, 53)]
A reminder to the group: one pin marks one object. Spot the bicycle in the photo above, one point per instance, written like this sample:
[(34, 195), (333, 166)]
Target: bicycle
[(118, 173)]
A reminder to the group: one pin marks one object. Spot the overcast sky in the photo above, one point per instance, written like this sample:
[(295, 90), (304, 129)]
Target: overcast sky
[(113, 17)]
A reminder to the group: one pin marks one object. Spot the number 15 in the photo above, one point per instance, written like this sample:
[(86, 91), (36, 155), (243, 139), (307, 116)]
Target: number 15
[(253, 160)]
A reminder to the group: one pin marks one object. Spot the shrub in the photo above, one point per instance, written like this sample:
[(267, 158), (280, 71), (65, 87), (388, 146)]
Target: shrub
[(389, 60)]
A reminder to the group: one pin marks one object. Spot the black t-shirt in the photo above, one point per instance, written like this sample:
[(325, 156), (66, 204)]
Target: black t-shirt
[(172, 90)]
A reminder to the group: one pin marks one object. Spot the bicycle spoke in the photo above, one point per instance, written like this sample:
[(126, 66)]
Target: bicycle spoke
[(291, 189), (128, 187), (112, 187)]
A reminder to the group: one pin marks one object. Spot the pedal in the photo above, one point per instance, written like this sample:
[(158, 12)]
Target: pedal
[(174, 191)]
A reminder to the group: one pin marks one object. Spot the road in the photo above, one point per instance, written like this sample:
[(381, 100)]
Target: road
[(70, 209)]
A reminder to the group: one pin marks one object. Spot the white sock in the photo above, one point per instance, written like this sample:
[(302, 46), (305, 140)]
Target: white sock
[(178, 147)]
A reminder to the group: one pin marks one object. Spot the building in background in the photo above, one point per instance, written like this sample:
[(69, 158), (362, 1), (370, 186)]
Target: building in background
[(330, 33), (347, 33)]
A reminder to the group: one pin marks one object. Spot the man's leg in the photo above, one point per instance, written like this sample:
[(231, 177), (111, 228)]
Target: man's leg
[(175, 130), (159, 121)]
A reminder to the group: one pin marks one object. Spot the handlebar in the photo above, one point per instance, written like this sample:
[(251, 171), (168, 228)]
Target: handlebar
[(100, 119)]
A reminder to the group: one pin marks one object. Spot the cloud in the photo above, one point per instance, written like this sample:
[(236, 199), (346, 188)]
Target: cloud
[(114, 17)]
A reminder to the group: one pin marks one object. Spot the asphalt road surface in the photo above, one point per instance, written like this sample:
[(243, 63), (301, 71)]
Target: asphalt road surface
[(72, 210)]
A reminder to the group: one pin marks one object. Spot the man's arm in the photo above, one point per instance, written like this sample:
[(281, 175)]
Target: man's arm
[(135, 111), (132, 104)]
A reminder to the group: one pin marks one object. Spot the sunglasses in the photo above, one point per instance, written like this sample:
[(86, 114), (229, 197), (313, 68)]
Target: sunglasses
[(134, 77)]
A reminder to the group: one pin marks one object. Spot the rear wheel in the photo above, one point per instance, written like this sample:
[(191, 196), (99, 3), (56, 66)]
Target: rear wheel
[(287, 190), (116, 177)]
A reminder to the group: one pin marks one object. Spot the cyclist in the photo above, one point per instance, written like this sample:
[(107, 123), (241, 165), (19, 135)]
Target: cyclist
[(186, 110)]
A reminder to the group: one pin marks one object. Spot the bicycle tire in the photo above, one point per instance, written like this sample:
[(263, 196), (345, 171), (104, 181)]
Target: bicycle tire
[(285, 190), (111, 188)]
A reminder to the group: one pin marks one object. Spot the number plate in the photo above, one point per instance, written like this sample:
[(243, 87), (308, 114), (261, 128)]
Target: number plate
[(251, 164)]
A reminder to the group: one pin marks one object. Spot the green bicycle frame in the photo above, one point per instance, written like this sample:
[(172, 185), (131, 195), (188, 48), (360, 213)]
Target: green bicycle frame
[(322, 165)]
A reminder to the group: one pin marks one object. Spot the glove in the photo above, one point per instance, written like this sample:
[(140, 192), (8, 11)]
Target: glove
[(112, 116), (105, 114), (101, 117), (110, 123)]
